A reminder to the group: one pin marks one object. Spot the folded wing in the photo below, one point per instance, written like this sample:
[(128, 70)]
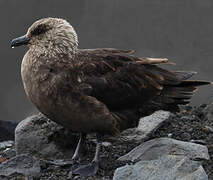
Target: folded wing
[(121, 80)]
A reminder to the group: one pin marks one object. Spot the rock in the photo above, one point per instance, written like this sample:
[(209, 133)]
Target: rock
[(208, 129), (9, 153), (15, 176), (187, 118), (146, 127), (39, 136), (209, 111), (106, 144), (22, 164), (168, 167), (185, 136), (158, 147), (7, 130), (6, 144), (169, 135)]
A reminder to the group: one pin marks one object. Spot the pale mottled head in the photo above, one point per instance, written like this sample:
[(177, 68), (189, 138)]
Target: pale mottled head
[(49, 35)]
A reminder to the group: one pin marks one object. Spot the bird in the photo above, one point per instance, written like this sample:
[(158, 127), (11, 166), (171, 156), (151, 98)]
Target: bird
[(102, 91)]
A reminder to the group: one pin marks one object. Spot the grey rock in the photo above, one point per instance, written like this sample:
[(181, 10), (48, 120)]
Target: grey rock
[(38, 135), (146, 127), (209, 129), (208, 111), (22, 164), (9, 153), (168, 167), (158, 147), (6, 144), (187, 118), (106, 144), (15, 176), (185, 136), (170, 135)]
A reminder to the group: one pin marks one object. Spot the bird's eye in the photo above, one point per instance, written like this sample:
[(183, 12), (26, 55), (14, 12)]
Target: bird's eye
[(39, 30)]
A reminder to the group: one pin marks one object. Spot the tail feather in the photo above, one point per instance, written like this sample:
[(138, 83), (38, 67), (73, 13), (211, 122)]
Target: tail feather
[(194, 83), (178, 94), (176, 90)]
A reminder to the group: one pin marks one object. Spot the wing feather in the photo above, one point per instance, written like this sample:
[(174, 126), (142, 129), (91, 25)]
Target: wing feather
[(119, 79)]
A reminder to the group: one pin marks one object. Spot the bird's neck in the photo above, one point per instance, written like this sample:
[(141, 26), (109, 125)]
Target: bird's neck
[(54, 50)]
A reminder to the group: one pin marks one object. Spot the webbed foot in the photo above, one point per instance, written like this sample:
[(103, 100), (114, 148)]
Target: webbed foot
[(92, 168), (87, 170)]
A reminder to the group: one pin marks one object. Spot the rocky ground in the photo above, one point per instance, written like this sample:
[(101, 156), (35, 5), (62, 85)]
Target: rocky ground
[(191, 124)]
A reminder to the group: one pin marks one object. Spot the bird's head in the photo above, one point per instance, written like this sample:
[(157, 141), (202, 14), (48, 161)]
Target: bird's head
[(49, 34)]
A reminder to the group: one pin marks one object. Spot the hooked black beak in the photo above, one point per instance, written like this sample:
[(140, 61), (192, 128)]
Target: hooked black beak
[(23, 40)]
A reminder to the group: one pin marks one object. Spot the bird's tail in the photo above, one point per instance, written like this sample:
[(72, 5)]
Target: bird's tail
[(177, 94), (177, 90)]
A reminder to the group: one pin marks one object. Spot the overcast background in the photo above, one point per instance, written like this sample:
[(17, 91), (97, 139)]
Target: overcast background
[(179, 30)]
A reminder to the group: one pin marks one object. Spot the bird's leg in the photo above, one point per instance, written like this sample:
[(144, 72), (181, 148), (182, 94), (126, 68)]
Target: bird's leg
[(82, 138), (92, 168), (76, 154)]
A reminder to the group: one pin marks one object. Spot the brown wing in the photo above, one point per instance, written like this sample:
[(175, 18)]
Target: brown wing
[(121, 80)]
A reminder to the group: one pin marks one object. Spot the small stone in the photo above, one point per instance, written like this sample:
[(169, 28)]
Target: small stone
[(208, 129), (6, 144), (2, 159), (185, 136), (208, 111), (70, 176), (170, 135), (9, 153), (187, 118), (106, 144), (190, 130)]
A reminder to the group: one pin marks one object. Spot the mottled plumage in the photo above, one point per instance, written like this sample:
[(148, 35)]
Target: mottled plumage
[(95, 90)]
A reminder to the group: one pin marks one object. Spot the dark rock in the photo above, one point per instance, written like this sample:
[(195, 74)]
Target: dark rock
[(39, 136), (22, 164), (156, 148), (168, 167), (15, 176), (187, 118), (146, 127), (186, 136), (7, 130)]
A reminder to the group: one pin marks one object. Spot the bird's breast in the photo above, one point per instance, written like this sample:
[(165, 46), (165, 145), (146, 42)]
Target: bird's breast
[(37, 82)]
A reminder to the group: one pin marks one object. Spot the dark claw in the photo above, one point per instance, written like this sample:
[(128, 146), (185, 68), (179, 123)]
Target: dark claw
[(86, 170)]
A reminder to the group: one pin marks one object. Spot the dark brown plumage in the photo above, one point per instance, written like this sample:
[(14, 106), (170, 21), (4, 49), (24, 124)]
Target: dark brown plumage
[(95, 90)]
